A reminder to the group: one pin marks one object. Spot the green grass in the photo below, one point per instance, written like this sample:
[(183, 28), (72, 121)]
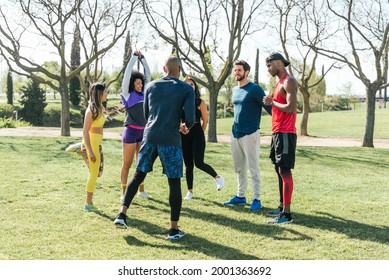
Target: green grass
[(340, 208), (328, 124)]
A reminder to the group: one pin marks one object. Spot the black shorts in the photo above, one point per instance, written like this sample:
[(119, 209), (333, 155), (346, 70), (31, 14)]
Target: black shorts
[(283, 149)]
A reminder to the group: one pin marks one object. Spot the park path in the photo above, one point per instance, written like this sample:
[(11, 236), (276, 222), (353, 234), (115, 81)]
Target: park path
[(301, 140)]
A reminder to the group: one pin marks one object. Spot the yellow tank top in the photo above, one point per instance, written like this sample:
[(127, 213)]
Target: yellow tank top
[(99, 121)]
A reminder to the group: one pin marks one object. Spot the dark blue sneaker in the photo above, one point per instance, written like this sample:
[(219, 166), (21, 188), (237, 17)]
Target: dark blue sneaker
[(256, 205), (283, 218), (275, 212), (236, 201)]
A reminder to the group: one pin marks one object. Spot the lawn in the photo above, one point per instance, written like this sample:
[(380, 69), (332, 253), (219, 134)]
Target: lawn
[(340, 208)]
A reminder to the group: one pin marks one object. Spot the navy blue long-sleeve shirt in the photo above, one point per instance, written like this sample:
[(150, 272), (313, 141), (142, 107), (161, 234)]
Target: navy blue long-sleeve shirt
[(165, 99)]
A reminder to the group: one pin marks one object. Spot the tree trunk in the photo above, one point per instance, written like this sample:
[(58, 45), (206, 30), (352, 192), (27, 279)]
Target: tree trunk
[(304, 120), (65, 112), (370, 116), (212, 136)]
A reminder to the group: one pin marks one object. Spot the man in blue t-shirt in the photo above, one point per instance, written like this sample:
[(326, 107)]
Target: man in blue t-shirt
[(164, 100), (248, 102)]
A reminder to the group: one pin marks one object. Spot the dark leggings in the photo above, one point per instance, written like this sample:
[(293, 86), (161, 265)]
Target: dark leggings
[(175, 196), (285, 184), (193, 149)]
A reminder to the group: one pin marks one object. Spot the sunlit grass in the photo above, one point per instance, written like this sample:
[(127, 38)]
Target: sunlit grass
[(339, 205)]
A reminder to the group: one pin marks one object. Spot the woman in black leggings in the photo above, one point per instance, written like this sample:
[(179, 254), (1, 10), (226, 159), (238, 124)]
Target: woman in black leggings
[(193, 144)]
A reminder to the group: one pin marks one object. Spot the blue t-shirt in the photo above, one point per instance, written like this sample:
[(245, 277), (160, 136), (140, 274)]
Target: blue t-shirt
[(248, 103), (165, 99)]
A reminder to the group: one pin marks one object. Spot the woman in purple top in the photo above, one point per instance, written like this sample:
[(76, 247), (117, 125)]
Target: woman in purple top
[(132, 98)]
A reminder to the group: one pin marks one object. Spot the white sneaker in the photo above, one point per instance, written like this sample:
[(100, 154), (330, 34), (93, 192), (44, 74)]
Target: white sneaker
[(122, 198), (144, 195), (188, 196), (74, 148), (219, 183)]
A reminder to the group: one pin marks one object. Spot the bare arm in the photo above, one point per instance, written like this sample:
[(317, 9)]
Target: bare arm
[(289, 88), (204, 115), (87, 125)]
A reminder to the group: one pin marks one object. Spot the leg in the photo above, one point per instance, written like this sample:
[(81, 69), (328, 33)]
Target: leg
[(128, 153), (131, 190), (287, 180), (96, 142), (250, 145), (280, 184), (187, 154), (239, 160), (175, 201), (198, 148)]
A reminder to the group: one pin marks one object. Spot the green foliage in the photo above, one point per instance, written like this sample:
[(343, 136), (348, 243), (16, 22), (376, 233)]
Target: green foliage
[(33, 100), (52, 116), (11, 123), (10, 89), (6, 110), (75, 91)]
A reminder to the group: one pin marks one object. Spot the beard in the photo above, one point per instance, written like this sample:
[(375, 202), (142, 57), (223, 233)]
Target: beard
[(239, 78)]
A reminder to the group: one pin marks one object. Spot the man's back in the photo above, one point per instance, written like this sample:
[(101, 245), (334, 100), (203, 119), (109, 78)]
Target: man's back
[(164, 100)]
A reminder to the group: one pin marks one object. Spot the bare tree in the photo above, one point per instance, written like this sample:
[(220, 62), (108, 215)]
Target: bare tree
[(101, 25), (296, 17), (364, 27), (207, 36)]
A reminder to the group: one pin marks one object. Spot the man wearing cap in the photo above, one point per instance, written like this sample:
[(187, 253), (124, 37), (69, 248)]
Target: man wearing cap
[(284, 138), (248, 102)]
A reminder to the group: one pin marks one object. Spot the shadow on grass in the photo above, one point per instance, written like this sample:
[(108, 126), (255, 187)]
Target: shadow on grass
[(352, 229), (188, 243), (320, 155), (240, 225)]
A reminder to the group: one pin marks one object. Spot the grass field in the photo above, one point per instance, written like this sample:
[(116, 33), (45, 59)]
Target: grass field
[(340, 207)]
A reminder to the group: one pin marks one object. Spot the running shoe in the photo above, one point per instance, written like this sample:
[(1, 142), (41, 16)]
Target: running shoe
[(89, 208), (275, 212), (283, 218), (121, 221), (175, 234), (236, 201), (75, 148), (189, 196), (256, 205), (144, 195), (219, 183)]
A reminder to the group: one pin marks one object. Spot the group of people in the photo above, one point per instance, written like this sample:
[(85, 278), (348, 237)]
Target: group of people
[(167, 119)]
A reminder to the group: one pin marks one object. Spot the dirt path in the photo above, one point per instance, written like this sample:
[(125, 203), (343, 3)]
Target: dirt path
[(301, 141)]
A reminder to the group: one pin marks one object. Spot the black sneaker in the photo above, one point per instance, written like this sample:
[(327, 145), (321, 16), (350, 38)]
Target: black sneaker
[(175, 234), (121, 221)]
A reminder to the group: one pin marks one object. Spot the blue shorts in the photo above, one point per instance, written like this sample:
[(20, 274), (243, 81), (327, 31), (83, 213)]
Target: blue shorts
[(170, 156), (132, 135)]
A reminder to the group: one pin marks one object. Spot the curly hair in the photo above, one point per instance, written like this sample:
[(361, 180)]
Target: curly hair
[(134, 76)]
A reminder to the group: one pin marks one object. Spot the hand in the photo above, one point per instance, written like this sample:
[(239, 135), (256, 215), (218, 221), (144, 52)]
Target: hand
[(183, 129), (267, 100), (92, 157)]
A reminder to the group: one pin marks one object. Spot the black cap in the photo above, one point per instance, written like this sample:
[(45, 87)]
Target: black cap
[(277, 56)]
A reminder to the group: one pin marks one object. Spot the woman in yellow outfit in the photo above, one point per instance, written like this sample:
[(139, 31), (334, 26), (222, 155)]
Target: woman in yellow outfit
[(93, 139)]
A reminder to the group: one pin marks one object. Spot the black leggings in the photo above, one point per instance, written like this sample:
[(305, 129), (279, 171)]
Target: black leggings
[(193, 149), (175, 196)]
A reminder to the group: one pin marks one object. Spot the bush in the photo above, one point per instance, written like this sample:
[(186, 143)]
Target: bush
[(33, 101), (52, 116), (6, 111), (10, 123)]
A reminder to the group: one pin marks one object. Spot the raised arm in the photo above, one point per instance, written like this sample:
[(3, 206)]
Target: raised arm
[(127, 76), (146, 68)]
